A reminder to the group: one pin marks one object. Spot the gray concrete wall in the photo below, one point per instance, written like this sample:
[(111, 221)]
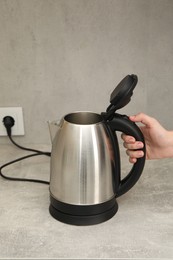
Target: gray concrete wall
[(58, 56)]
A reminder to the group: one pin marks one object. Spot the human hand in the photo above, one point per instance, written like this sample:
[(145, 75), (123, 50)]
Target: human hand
[(159, 141)]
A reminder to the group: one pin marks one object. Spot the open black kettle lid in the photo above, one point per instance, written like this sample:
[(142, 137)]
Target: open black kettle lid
[(121, 95)]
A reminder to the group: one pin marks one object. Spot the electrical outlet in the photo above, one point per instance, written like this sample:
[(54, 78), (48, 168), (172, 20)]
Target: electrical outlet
[(17, 114)]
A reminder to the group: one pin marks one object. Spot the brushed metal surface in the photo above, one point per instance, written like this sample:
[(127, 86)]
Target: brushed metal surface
[(81, 161)]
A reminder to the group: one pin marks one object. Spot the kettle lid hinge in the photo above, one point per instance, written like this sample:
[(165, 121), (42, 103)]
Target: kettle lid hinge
[(109, 115)]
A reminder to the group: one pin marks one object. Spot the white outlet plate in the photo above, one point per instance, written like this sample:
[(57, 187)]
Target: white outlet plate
[(17, 114)]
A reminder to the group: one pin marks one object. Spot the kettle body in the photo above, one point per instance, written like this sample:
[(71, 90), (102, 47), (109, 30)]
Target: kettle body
[(85, 168), (82, 163)]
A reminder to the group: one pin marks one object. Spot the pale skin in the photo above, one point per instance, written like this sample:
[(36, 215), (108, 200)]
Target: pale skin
[(158, 140)]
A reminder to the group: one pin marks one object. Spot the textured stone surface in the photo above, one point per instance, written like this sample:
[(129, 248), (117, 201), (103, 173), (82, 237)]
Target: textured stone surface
[(142, 227)]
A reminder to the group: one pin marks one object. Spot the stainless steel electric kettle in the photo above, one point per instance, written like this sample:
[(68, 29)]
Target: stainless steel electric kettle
[(85, 175)]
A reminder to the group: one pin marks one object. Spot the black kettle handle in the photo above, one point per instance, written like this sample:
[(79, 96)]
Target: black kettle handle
[(123, 124)]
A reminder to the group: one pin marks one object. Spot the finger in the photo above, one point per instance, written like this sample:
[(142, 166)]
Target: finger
[(128, 138), (133, 146), (143, 118), (132, 160), (135, 154)]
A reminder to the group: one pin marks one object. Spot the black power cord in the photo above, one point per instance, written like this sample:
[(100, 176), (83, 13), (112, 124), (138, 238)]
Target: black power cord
[(9, 123)]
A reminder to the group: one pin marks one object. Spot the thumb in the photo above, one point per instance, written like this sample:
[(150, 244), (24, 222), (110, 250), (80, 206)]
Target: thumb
[(142, 118)]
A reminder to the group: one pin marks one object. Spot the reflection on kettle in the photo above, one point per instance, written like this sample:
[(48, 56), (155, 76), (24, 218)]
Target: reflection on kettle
[(85, 175)]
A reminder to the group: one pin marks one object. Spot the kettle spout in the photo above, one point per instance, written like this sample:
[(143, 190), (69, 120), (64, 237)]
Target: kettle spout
[(53, 128)]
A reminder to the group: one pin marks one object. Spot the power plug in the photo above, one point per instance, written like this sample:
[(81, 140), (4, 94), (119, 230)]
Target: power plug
[(8, 123)]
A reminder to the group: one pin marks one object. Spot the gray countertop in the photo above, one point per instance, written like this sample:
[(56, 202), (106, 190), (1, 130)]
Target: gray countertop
[(142, 227)]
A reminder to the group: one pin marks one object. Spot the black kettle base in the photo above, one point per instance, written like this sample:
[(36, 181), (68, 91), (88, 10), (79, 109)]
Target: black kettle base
[(83, 215)]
